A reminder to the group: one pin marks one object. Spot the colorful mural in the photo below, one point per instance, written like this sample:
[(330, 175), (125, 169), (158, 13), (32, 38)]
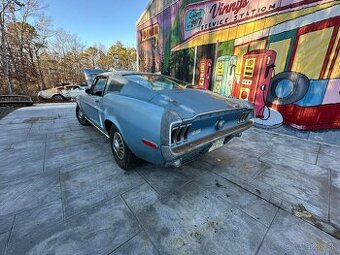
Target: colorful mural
[(282, 55)]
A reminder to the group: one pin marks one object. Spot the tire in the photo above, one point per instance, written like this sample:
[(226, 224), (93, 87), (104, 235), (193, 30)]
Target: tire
[(300, 85), (124, 157), (58, 97), (81, 117)]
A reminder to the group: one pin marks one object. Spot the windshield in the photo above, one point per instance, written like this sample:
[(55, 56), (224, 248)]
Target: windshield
[(157, 82)]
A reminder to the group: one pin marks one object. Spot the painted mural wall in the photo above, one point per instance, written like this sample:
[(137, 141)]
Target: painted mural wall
[(282, 55)]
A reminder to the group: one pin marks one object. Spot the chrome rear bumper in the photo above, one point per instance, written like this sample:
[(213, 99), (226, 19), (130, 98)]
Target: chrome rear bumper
[(200, 144)]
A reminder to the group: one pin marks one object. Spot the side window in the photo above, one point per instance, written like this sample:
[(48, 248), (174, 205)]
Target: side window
[(114, 86), (99, 86)]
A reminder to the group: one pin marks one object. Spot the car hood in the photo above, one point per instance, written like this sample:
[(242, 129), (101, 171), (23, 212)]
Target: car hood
[(190, 102), (90, 74)]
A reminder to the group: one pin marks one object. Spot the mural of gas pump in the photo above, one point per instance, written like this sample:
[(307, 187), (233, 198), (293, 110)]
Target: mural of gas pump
[(224, 75), (256, 73), (205, 69)]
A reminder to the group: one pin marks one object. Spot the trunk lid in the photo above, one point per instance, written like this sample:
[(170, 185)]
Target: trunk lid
[(190, 102)]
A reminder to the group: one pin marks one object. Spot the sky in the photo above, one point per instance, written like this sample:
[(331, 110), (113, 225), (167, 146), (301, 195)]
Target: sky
[(97, 21)]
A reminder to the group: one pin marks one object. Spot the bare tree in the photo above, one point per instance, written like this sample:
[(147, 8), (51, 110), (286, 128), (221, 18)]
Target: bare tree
[(5, 6), (35, 57)]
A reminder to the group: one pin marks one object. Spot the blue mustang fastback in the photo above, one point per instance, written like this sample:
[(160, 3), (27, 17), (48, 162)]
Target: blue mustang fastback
[(158, 118)]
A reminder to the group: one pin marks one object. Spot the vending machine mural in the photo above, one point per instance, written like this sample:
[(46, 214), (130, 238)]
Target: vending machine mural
[(281, 55), (205, 69)]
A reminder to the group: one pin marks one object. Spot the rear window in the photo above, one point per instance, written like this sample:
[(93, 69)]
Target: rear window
[(157, 82)]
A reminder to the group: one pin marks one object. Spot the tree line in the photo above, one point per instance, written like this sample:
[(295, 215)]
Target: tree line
[(34, 56)]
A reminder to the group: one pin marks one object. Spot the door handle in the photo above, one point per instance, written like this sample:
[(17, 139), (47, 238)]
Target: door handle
[(96, 101)]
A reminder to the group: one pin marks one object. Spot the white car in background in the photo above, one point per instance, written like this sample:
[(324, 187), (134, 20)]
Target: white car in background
[(63, 92), (54, 93), (70, 92)]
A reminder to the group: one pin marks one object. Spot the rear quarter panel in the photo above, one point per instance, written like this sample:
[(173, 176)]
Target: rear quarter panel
[(136, 119)]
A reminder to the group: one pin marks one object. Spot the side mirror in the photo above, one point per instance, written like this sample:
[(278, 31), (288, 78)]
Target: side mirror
[(88, 91)]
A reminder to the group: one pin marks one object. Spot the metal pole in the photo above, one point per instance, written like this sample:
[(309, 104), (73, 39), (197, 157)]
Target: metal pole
[(194, 71), (215, 66)]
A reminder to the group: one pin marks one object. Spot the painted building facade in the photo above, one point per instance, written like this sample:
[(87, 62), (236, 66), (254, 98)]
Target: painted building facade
[(282, 55)]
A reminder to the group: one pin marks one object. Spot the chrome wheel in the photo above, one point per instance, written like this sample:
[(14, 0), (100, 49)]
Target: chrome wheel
[(80, 115), (118, 145)]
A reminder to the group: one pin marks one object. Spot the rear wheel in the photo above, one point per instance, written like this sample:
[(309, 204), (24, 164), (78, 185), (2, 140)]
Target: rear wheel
[(58, 97), (81, 117), (121, 152)]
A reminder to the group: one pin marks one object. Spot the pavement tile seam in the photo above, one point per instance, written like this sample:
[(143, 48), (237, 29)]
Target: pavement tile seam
[(132, 188), (297, 138), (5, 230), (30, 208), (217, 215), (298, 173), (29, 131), (317, 155), (233, 205), (10, 234), (259, 172), (59, 143), (274, 202), (212, 171), (45, 146), (169, 193), (61, 196), (180, 189), (276, 194), (83, 212), (264, 153), (270, 225), (329, 194), (283, 164), (145, 179), (74, 145), (271, 197), (330, 200), (248, 153), (285, 205), (160, 195), (94, 205), (111, 252), (76, 167), (238, 207), (140, 222), (18, 179), (288, 156)]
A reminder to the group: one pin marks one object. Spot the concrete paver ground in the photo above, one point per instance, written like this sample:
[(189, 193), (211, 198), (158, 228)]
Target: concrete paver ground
[(62, 193)]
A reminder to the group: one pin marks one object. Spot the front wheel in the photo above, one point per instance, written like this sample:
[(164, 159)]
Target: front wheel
[(121, 152), (81, 117)]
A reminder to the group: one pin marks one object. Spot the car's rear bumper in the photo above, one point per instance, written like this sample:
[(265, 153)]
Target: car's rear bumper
[(200, 146)]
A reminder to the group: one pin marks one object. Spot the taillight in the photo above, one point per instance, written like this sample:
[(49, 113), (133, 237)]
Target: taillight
[(179, 134)]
